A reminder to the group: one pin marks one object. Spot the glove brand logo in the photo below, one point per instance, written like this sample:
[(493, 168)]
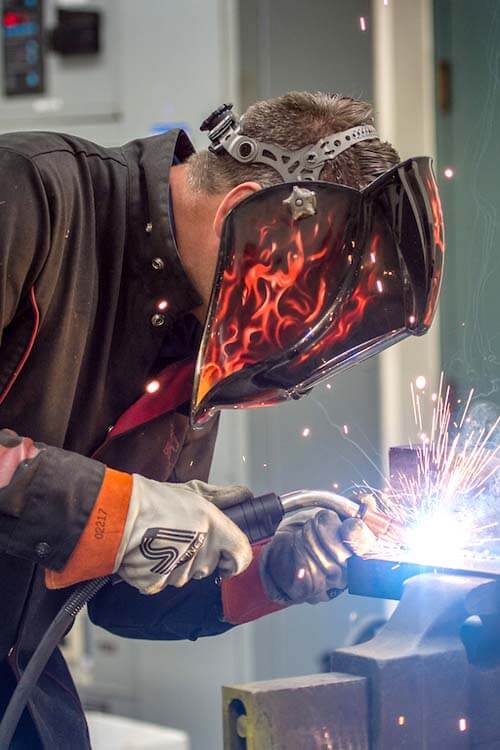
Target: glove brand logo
[(168, 547)]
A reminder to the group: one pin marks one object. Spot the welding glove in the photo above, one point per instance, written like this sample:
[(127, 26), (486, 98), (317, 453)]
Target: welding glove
[(175, 532), (306, 559)]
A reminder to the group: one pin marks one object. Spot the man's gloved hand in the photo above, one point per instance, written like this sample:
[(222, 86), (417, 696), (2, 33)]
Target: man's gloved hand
[(305, 561), (174, 533)]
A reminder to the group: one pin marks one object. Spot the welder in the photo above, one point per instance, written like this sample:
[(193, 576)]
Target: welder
[(142, 289)]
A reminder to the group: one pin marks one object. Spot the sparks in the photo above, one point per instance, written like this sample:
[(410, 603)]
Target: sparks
[(153, 386), (362, 23), (421, 382), (162, 304), (306, 432), (447, 506), (380, 286), (449, 173), (346, 429)]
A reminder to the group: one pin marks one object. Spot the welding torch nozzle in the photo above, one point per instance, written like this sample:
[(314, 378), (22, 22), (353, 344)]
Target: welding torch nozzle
[(380, 524)]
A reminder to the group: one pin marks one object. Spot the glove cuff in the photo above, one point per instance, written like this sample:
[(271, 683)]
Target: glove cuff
[(243, 597), (95, 554)]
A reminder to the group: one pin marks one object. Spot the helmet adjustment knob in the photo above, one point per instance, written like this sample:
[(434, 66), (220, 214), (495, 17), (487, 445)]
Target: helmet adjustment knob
[(216, 117)]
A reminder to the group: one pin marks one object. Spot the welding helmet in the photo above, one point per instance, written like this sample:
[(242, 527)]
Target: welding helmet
[(313, 277)]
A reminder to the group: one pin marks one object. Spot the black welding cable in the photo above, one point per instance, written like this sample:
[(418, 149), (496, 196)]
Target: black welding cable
[(55, 633), (258, 518)]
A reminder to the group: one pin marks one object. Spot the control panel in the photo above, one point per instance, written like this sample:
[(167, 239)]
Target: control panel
[(59, 62), (23, 47)]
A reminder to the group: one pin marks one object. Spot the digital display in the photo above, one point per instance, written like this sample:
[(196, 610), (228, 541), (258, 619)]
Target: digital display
[(23, 53)]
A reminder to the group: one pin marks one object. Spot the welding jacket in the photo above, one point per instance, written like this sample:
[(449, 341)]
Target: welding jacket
[(86, 254)]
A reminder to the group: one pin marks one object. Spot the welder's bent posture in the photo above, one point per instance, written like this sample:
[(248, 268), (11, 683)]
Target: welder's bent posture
[(101, 469)]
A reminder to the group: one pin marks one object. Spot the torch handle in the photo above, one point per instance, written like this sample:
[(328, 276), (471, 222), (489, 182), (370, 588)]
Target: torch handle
[(258, 517)]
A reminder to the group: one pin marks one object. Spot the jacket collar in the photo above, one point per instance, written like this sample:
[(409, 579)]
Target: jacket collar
[(150, 225)]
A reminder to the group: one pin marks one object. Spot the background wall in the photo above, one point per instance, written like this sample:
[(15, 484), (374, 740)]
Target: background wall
[(467, 47)]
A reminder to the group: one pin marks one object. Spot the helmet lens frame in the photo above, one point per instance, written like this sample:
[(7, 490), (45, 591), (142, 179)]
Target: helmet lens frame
[(296, 300)]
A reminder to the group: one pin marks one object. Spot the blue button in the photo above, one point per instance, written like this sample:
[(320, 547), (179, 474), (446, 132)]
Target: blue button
[(32, 79), (32, 53)]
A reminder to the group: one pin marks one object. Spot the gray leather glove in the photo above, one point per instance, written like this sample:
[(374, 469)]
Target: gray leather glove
[(176, 532), (305, 561)]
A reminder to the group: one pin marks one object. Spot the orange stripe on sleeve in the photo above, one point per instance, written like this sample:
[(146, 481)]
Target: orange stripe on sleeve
[(96, 551)]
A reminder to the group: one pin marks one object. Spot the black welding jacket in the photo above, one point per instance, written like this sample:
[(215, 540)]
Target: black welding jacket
[(86, 254)]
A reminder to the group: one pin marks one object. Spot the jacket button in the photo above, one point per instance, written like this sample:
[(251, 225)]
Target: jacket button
[(149, 227), (42, 549), (158, 320), (158, 264)]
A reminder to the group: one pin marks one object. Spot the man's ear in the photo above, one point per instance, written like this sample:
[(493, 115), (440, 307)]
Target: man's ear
[(231, 199)]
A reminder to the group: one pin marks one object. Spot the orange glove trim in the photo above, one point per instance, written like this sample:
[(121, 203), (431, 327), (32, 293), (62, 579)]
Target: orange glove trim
[(243, 596), (95, 553)]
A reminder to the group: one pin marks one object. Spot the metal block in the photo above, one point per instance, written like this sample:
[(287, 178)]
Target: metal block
[(403, 462), (318, 712)]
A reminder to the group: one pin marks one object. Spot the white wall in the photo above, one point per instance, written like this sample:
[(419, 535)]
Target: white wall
[(404, 99)]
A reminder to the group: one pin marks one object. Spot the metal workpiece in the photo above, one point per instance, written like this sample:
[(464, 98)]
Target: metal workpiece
[(429, 679), (318, 712), (385, 578), (403, 462), (432, 670)]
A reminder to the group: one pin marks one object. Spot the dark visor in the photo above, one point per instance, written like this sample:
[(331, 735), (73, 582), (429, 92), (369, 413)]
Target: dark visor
[(297, 300)]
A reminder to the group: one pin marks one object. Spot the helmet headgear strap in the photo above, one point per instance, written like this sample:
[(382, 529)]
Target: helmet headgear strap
[(225, 134)]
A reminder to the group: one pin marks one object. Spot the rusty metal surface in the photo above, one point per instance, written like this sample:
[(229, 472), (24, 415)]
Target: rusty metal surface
[(318, 712)]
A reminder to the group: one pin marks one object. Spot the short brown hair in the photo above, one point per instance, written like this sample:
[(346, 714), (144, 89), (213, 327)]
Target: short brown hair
[(293, 121)]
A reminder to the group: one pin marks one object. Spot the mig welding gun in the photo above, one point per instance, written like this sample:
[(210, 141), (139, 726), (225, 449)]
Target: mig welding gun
[(258, 517)]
